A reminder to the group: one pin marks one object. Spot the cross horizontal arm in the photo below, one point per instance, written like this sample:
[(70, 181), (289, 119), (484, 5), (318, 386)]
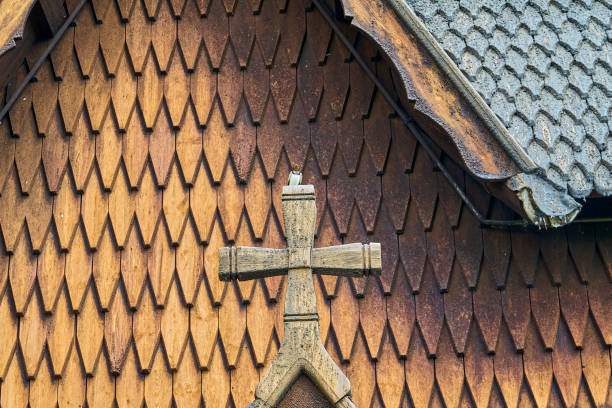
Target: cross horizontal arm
[(246, 263), (347, 260)]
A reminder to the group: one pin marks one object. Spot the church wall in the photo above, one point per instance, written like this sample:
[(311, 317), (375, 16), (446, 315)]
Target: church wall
[(159, 131)]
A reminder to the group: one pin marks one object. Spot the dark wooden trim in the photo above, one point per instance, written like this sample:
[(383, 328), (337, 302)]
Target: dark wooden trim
[(47, 17), (13, 58)]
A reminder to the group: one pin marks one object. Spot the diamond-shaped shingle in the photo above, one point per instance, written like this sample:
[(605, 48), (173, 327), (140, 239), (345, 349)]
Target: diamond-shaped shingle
[(538, 154), (562, 57), (601, 12), (453, 44), (538, 59), (461, 22), (518, 5), (531, 18), (556, 81), (439, 25), (586, 55), (605, 55), (507, 20), (425, 9), (595, 32), (470, 64), (533, 82), (555, 16), (485, 20), (546, 38), (516, 61), (520, 130), (522, 40), (596, 130), (574, 103), (578, 184), (494, 6), (599, 101), (500, 41), (588, 157), (493, 61), (578, 13), (570, 34), (526, 105), (546, 131), (572, 132), (579, 79), (502, 107), (448, 7), (563, 156), (553, 105), (556, 177), (540, 5), (603, 76), (606, 154), (485, 84), (603, 179), (476, 41), (472, 6)]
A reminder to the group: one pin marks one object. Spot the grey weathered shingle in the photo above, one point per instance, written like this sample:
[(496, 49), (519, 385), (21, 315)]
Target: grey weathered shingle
[(545, 69)]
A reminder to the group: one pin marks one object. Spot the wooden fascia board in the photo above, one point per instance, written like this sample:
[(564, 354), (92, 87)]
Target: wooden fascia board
[(439, 91)]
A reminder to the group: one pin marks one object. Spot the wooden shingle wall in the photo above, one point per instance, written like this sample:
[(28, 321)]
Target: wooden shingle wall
[(159, 131)]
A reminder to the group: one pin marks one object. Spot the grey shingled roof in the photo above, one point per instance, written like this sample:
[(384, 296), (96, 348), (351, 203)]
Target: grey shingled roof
[(545, 68)]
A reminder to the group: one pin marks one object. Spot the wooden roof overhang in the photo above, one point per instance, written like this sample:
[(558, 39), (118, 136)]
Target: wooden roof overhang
[(48, 17), (13, 16), (25, 24), (442, 101)]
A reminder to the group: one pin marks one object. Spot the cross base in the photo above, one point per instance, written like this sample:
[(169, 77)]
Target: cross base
[(302, 352)]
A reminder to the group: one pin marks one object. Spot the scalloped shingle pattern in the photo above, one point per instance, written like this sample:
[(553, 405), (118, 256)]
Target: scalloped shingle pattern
[(545, 69), (109, 293)]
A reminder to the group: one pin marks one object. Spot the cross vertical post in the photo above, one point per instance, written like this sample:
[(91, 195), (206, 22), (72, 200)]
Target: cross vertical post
[(300, 209), (301, 350)]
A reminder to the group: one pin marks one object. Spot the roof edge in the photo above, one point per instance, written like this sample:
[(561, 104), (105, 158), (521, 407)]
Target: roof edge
[(491, 121), (543, 204), (17, 13)]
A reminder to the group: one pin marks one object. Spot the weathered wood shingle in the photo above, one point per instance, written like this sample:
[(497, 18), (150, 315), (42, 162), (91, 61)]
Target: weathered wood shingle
[(108, 265)]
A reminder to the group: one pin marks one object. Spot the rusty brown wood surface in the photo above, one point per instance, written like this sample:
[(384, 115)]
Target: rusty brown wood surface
[(108, 259)]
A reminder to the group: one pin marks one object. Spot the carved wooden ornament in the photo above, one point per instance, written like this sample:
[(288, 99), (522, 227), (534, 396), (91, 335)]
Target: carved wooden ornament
[(301, 350)]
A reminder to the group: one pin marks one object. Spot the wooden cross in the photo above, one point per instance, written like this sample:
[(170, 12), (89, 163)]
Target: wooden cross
[(301, 350)]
